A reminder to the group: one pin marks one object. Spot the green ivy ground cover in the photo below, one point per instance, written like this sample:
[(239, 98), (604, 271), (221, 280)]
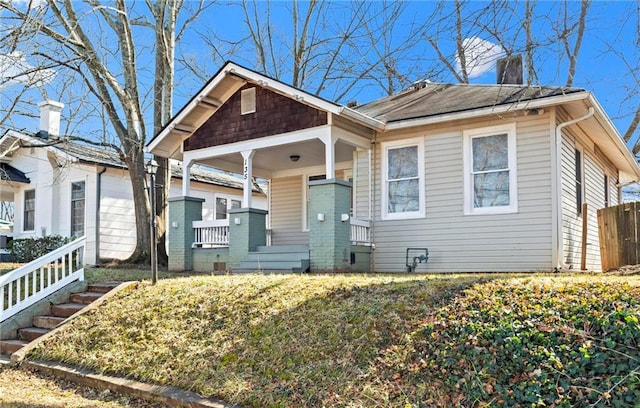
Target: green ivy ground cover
[(374, 341)]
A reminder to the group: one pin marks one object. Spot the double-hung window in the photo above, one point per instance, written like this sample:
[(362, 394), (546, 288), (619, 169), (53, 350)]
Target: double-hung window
[(29, 220), (403, 188), (490, 178), (223, 205), (77, 209)]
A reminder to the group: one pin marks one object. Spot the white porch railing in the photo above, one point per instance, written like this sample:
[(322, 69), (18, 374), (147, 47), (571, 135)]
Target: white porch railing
[(360, 232), (41, 277), (209, 234)]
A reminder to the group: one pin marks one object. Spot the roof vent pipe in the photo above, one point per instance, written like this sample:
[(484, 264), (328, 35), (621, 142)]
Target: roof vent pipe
[(50, 117)]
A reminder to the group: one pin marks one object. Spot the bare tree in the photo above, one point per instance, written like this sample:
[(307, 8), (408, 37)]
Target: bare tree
[(94, 42)]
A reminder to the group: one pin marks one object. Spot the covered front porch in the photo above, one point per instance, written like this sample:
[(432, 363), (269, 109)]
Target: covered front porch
[(313, 222)]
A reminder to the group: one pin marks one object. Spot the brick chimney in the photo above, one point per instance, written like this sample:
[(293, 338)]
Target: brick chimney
[(509, 70), (49, 118)]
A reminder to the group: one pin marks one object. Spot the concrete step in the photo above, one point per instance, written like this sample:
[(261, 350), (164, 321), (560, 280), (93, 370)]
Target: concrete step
[(300, 265), (283, 248), (85, 297), (102, 287), (47, 322), (8, 347), (66, 309), (276, 256), (31, 333)]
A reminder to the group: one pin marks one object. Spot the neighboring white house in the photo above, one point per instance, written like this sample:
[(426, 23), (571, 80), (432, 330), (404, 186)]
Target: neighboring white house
[(487, 177), (74, 189)]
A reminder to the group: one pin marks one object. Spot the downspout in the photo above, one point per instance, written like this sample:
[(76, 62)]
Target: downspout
[(372, 201), (559, 262), (98, 201)]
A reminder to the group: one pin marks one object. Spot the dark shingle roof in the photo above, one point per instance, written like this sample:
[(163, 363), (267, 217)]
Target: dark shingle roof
[(439, 99), (93, 154), (10, 173)]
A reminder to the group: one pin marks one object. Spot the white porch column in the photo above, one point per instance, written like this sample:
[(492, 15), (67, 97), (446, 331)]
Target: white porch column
[(247, 176), (330, 155), (186, 177)]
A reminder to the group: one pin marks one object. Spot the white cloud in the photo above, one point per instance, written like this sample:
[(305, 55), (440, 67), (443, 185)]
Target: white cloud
[(480, 56), (14, 69)]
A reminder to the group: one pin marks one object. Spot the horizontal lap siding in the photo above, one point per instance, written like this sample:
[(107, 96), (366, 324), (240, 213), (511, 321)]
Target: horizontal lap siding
[(361, 184), (458, 242), (286, 211), (117, 217), (594, 172)]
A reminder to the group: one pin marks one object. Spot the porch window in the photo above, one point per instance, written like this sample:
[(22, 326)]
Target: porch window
[(77, 209), (221, 208), (490, 170), (403, 184), (29, 210)]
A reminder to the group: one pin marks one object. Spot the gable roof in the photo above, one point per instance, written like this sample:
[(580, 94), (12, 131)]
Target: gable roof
[(430, 99)]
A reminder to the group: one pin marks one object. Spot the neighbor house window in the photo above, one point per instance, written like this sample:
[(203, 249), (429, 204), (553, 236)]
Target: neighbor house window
[(29, 223), (77, 209), (490, 170), (236, 204), (579, 181), (403, 194)]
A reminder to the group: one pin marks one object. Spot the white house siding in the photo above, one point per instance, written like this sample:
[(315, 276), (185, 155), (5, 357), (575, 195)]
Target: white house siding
[(502, 242), (287, 211), (117, 216), (594, 169)]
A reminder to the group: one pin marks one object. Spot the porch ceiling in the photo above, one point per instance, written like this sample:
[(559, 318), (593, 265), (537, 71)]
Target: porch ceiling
[(270, 160)]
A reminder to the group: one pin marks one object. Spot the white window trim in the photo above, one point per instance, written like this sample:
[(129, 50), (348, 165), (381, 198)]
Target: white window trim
[(468, 136), (228, 197), (71, 183), (385, 147)]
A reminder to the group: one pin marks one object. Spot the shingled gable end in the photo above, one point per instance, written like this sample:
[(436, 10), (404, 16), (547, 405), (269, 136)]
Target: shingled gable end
[(274, 114)]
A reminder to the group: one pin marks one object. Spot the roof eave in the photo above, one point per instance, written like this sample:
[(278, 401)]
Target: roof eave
[(493, 110)]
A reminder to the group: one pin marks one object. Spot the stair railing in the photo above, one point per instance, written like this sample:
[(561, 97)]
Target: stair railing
[(41, 277)]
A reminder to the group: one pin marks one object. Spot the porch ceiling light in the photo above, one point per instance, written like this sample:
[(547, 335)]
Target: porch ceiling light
[(151, 166), (294, 157)]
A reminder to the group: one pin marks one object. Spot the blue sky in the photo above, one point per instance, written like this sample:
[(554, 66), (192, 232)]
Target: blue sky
[(606, 63)]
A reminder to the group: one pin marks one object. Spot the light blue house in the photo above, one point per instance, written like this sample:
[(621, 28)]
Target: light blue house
[(486, 178)]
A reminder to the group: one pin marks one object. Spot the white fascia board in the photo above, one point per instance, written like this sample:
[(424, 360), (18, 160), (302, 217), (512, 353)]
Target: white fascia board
[(493, 110), (36, 142), (261, 143), (615, 136), (186, 111), (304, 97)]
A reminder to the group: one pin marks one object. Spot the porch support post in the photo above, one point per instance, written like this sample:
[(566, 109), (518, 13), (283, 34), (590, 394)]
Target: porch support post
[(247, 176), (330, 154), (329, 226), (186, 177), (247, 231), (182, 212)]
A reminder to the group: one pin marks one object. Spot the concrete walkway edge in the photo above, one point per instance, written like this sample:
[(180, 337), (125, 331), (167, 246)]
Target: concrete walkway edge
[(172, 396)]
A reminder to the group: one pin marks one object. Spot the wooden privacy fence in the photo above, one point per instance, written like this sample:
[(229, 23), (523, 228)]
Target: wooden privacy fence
[(619, 232)]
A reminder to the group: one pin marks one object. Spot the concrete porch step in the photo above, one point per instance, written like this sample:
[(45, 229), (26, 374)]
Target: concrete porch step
[(66, 309), (47, 322), (29, 334), (8, 347), (300, 265), (85, 297), (276, 256), (102, 287), (283, 248)]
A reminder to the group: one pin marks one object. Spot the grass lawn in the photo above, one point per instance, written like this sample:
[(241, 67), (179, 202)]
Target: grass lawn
[(21, 389), (402, 340)]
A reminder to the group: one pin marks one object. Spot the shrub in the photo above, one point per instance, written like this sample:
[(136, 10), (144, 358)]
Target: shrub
[(28, 249)]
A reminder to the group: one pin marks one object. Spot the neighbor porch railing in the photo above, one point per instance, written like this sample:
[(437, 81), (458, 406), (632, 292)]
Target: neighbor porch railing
[(360, 232), (41, 277)]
